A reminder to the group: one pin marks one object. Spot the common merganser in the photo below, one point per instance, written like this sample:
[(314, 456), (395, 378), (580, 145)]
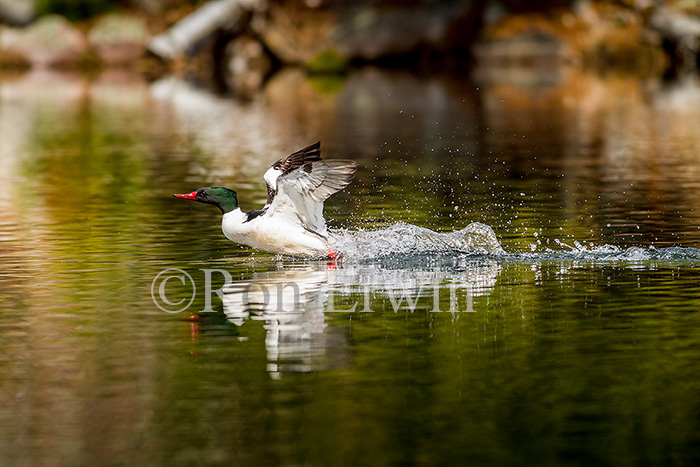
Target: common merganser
[(291, 222)]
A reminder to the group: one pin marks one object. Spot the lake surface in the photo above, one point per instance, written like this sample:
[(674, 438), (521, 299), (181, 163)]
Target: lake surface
[(577, 345)]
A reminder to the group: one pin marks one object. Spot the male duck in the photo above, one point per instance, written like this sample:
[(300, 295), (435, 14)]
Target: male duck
[(291, 222)]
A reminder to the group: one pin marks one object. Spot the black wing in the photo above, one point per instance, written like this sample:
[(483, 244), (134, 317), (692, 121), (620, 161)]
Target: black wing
[(289, 164), (294, 161)]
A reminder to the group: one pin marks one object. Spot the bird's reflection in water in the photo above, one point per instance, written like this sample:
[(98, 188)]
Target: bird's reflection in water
[(291, 303), (294, 300)]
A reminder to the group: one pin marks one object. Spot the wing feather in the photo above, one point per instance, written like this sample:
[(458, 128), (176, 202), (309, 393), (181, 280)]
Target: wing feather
[(301, 192), (288, 164), (295, 160)]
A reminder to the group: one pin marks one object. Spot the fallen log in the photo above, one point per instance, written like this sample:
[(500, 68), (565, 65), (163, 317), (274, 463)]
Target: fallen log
[(188, 34)]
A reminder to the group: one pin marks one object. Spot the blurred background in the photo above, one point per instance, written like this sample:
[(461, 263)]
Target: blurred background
[(236, 45)]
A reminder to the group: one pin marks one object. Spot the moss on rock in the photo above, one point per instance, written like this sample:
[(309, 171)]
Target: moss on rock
[(327, 62)]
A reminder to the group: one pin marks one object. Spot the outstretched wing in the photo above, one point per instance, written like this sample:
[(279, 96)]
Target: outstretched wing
[(288, 164), (301, 192)]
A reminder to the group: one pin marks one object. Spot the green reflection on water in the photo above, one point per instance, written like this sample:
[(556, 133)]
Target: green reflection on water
[(560, 362)]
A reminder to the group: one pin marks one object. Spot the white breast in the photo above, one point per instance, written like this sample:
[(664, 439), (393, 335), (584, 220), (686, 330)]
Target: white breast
[(272, 234)]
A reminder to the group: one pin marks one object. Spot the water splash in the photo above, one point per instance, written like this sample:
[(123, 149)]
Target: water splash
[(406, 243), (611, 253), (406, 239)]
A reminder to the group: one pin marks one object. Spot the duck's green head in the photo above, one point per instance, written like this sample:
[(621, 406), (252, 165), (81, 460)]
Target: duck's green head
[(221, 197)]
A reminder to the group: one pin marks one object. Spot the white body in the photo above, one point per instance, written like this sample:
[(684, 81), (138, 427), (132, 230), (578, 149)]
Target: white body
[(272, 232), (291, 222)]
